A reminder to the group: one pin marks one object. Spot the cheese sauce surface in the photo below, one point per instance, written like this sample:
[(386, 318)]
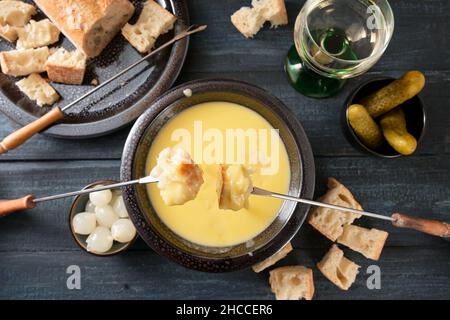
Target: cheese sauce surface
[(206, 132)]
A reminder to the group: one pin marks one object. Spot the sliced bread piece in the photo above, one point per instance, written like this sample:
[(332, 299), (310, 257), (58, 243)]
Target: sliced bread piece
[(153, 21), (273, 259), (368, 242), (292, 283), (37, 34), (337, 268), (66, 67), (273, 11), (15, 13), (37, 89), (24, 61), (249, 21), (8, 33), (330, 222)]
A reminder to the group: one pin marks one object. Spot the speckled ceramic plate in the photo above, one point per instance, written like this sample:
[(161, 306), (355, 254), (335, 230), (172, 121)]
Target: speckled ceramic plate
[(120, 102), (217, 259)]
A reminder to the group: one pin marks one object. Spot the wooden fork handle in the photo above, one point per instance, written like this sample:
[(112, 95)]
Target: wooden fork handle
[(9, 206), (20, 136), (433, 227)]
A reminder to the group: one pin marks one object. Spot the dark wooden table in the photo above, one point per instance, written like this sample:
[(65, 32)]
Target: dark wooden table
[(36, 247)]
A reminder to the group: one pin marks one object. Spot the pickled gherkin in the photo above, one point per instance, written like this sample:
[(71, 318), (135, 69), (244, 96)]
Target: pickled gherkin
[(394, 94), (364, 126), (393, 125)]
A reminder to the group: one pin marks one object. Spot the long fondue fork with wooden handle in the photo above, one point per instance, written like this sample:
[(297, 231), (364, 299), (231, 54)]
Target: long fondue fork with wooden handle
[(432, 227), (20, 136), (30, 202)]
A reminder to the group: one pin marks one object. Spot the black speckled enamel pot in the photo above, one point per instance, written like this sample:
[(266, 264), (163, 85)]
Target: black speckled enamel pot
[(211, 259)]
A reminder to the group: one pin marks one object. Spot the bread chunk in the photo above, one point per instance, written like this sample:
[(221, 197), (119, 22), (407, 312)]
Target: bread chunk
[(37, 34), (234, 187), (249, 20), (23, 62), (15, 13), (89, 25), (66, 67), (273, 259), (368, 242), (153, 22), (292, 283), (37, 89), (179, 177), (338, 269), (330, 222), (8, 33)]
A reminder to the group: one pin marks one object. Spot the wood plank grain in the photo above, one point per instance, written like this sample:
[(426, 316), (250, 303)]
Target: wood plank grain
[(406, 273), (387, 186)]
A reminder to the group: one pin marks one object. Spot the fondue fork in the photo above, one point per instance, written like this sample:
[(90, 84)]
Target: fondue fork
[(433, 227), (20, 136), (29, 201)]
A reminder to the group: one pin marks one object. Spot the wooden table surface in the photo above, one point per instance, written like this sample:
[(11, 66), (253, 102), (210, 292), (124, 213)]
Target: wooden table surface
[(36, 247)]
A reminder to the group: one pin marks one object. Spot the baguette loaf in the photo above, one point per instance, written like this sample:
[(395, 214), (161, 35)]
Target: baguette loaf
[(36, 88), (330, 222), (24, 61), (15, 13), (292, 283), (37, 34), (338, 269), (273, 259), (90, 25), (153, 21), (249, 21), (66, 67), (368, 242)]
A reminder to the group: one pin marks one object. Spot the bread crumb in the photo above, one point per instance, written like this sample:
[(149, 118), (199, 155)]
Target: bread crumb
[(94, 82), (187, 92)]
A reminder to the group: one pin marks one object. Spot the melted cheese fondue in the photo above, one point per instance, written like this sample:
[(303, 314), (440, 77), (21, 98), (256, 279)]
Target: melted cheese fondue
[(206, 132)]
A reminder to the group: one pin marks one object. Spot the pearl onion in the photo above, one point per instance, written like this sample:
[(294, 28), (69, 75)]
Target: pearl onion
[(90, 207), (100, 198), (119, 207), (123, 230), (100, 240), (105, 216), (84, 223)]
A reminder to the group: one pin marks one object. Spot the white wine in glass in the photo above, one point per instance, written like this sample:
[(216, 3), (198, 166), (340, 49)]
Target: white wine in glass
[(336, 40)]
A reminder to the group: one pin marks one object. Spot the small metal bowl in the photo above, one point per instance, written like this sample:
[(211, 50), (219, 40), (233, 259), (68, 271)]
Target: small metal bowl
[(79, 205), (414, 113)]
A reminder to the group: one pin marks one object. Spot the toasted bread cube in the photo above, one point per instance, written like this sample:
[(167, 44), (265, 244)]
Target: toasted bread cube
[(368, 242), (273, 259), (179, 177), (8, 33), (330, 222), (24, 61), (37, 34), (338, 269), (234, 187), (249, 21), (153, 21), (15, 13), (292, 283), (66, 67), (37, 89)]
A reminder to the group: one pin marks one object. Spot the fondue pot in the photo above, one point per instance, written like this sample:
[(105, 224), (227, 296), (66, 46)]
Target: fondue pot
[(217, 259)]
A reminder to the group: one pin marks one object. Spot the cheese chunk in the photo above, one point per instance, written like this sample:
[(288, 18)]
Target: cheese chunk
[(24, 61), (37, 34), (37, 89), (153, 21), (179, 177), (15, 13), (66, 67)]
